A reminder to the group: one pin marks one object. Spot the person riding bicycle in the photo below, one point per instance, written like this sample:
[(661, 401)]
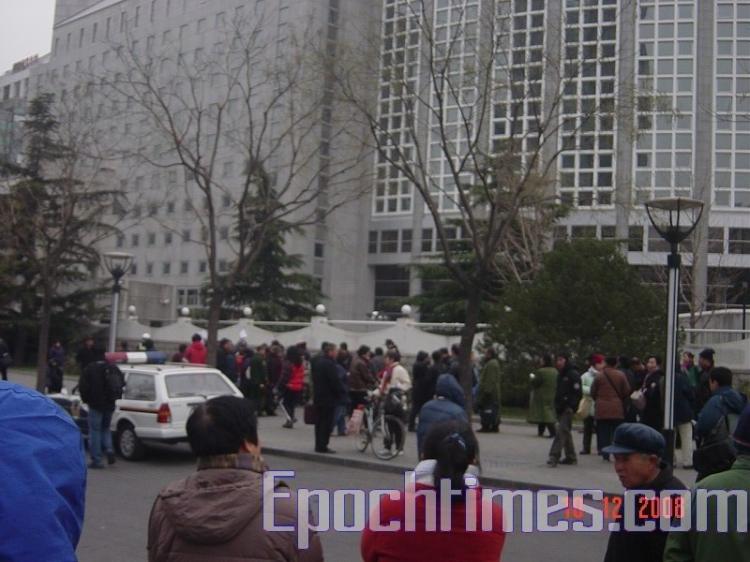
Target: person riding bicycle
[(396, 383)]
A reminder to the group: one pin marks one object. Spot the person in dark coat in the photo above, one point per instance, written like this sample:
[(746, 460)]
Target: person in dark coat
[(327, 394), (4, 359), (489, 393), (638, 451), (274, 365), (653, 414), (706, 362), (684, 397), (377, 362), (424, 387), (55, 367), (97, 394), (87, 354), (258, 379), (568, 394), (225, 360), (448, 404)]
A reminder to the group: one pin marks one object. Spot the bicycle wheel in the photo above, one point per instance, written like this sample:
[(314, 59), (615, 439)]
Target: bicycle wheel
[(362, 439), (388, 437)]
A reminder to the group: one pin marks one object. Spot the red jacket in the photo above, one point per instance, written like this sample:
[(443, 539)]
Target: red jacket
[(420, 545), (296, 378), (196, 353)]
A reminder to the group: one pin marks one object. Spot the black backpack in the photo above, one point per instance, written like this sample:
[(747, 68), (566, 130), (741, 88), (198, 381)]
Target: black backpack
[(114, 382)]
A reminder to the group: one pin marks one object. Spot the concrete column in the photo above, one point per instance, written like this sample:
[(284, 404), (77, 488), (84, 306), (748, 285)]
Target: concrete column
[(703, 144), (626, 125), (554, 75)]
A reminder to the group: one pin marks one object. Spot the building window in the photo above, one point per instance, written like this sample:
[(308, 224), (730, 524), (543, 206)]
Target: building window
[(608, 233), (579, 232), (151, 238), (226, 201), (406, 241), (149, 268), (135, 240), (223, 266), (372, 246), (389, 241), (186, 236), (184, 267), (120, 240), (715, 240), (134, 269), (203, 267), (166, 268), (635, 239), (318, 249), (739, 240), (167, 238), (392, 284), (224, 233), (427, 240)]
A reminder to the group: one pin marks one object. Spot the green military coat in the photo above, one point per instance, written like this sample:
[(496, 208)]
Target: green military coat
[(542, 398)]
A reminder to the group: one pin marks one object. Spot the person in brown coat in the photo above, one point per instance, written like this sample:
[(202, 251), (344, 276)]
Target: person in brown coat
[(217, 513), (610, 391), (360, 378)]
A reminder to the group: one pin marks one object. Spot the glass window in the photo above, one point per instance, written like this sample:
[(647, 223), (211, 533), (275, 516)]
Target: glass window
[(139, 387), (196, 384), (389, 241)]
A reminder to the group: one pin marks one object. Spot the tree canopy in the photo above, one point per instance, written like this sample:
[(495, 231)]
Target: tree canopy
[(585, 299)]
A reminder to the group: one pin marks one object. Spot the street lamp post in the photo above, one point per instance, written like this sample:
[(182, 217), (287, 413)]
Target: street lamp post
[(118, 264), (674, 219)]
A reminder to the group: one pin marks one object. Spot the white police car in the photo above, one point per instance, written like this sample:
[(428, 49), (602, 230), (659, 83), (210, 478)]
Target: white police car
[(157, 401)]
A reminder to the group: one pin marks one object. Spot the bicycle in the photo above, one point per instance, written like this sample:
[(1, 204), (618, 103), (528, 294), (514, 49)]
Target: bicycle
[(384, 433)]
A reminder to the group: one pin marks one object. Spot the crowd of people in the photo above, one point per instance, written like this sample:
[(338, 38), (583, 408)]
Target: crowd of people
[(616, 390), (337, 381)]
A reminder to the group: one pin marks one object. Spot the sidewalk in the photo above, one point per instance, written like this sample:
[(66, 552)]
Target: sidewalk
[(513, 458)]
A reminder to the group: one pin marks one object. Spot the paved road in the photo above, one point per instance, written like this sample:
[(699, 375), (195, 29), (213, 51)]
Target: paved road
[(119, 499)]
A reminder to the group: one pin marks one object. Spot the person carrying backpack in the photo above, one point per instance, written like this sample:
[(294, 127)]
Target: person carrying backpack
[(716, 422), (100, 386)]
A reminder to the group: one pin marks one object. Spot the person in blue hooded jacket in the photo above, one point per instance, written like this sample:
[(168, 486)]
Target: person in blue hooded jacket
[(448, 404), (42, 478)]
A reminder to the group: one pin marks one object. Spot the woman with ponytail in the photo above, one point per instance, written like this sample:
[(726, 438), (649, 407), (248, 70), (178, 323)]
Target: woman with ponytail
[(449, 467)]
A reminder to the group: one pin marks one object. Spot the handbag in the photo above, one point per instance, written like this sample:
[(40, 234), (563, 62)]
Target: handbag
[(584, 407), (310, 414), (638, 399), (355, 421)]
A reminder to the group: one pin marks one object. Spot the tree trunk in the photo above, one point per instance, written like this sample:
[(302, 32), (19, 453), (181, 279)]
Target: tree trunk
[(44, 328), (469, 331), (214, 315)]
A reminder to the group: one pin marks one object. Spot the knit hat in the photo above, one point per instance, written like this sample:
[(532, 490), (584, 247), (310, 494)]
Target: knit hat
[(742, 432), (707, 353)]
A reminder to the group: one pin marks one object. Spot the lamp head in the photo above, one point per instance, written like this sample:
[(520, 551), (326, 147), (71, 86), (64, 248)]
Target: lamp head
[(674, 218), (117, 263)]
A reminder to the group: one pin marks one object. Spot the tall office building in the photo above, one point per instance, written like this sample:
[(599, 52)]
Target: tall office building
[(161, 218), (647, 99)]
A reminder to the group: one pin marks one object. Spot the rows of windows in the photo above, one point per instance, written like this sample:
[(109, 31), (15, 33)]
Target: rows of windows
[(588, 106), (398, 80), (732, 99), (666, 67), (168, 268)]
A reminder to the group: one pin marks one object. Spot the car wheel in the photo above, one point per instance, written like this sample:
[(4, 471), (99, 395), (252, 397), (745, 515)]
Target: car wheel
[(131, 448)]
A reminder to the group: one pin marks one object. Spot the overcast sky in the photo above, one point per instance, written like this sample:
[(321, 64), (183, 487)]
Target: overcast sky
[(25, 29)]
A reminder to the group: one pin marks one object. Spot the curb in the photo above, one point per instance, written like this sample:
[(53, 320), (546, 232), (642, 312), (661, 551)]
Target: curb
[(490, 481)]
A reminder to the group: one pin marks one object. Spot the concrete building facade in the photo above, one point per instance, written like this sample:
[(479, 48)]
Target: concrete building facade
[(668, 83), (650, 99)]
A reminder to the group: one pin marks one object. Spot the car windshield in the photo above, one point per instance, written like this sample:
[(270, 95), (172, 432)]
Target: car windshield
[(196, 384)]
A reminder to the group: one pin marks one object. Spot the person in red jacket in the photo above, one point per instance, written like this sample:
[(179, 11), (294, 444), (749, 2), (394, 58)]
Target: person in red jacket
[(450, 451), (291, 383), (197, 352)]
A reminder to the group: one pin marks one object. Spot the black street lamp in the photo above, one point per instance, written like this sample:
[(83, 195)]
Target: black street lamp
[(118, 264), (674, 219)]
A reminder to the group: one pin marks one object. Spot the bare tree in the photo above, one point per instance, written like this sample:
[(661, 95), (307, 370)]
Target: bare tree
[(270, 110), (50, 217), (475, 124)]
